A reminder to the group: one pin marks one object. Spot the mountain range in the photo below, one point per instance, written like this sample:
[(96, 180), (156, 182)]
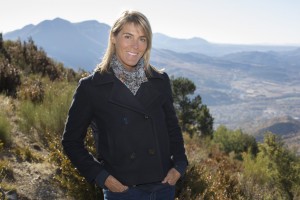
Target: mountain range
[(243, 85)]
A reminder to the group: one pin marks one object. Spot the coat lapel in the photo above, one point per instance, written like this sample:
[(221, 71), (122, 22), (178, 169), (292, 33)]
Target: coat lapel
[(148, 93), (122, 96)]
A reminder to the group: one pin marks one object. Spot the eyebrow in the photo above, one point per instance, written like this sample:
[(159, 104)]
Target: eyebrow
[(127, 33)]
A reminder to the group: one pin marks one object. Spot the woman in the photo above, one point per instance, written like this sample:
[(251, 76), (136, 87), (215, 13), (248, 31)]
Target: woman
[(129, 105)]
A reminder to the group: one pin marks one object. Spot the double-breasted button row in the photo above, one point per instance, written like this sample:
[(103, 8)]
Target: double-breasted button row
[(126, 121), (150, 151)]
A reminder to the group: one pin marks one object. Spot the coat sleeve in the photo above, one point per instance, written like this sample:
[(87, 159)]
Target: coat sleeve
[(174, 130), (78, 120)]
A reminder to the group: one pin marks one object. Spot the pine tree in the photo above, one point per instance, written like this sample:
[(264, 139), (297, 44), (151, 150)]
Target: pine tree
[(193, 115)]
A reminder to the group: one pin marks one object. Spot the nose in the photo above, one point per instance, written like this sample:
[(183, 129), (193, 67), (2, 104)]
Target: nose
[(135, 44)]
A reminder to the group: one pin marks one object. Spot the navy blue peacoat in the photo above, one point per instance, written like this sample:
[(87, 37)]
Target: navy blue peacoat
[(138, 138)]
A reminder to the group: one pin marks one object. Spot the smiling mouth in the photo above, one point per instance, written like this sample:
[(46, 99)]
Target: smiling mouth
[(132, 54)]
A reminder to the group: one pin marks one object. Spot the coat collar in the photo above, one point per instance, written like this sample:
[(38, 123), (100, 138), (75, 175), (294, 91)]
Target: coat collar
[(108, 77), (122, 96)]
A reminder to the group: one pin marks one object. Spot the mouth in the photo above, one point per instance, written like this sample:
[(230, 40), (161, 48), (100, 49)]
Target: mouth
[(132, 54)]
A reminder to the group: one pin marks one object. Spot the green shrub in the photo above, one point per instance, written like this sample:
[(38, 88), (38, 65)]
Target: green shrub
[(5, 130), (68, 178), (275, 169), (46, 120), (234, 141)]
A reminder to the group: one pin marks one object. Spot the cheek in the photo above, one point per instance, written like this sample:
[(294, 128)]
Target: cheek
[(143, 47)]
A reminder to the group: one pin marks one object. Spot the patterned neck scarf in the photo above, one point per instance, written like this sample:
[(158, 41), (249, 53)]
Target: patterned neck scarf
[(132, 79)]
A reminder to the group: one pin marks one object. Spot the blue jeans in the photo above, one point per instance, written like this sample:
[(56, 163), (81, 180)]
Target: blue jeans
[(134, 193)]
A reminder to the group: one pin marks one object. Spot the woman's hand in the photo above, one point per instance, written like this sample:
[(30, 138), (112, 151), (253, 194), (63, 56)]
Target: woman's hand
[(114, 185), (172, 177)]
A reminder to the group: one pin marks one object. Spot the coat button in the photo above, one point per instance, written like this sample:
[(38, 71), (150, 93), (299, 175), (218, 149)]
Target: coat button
[(151, 152), (125, 120), (132, 156), (146, 116)]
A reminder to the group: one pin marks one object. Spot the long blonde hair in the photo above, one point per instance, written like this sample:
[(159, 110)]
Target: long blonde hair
[(138, 19)]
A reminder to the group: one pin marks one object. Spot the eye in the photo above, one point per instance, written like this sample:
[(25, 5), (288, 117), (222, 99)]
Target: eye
[(127, 36), (143, 39)]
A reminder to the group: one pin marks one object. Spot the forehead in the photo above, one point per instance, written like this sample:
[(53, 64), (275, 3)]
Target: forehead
[(133, 28)]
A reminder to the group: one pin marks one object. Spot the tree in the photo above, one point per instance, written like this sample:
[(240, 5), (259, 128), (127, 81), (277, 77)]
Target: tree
[(3, 52), (275, 166), (235, 141), (1, 42), (193, 115)]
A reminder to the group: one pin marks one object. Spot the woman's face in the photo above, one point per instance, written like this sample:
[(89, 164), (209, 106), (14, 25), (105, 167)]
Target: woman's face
[(130, 44)]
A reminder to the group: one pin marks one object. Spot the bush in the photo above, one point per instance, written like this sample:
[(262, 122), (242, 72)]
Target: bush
[(68, 178), (32, 90), (10, 78), (275, 169), (25, 154), (5, 171), (234, 141), (46, 120), (5, 130)]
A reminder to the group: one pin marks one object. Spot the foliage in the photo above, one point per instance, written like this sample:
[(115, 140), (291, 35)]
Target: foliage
[(5, 129), (32, 89), (275, 167), (32, 60), (6, 172), (193, 115), (213, 175), (25, 154), (234, 141), (10, 78), (68, 177), (26, 57), (46, 120)]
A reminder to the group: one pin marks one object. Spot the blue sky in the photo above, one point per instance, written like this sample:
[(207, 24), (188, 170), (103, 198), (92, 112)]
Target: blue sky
[(219, 21)]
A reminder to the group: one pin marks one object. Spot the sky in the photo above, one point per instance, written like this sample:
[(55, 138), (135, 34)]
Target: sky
[(219, 21)]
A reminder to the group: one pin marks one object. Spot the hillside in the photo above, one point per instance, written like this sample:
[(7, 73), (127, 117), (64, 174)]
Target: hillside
[(32, 173)]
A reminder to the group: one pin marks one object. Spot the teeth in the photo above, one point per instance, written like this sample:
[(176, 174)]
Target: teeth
[(132, 54)]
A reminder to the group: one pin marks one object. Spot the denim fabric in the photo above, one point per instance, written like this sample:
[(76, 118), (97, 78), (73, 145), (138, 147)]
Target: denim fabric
[(134, 193)]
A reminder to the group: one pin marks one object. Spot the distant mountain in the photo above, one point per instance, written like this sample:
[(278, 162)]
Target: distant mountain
[(81, 45), (243, 85), (199, 45), (77, 45)]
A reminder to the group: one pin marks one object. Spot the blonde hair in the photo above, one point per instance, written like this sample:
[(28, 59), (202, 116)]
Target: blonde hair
[(126, 17)]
